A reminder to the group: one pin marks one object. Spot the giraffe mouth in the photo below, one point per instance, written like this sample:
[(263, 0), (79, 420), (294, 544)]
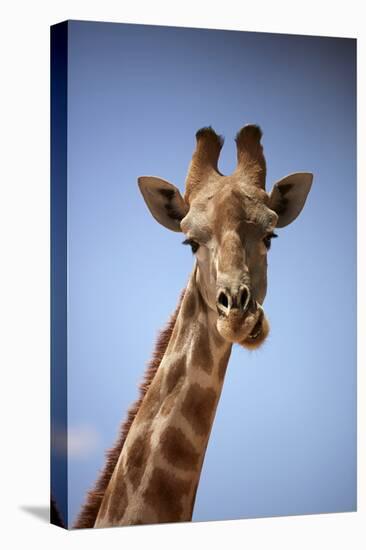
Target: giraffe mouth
[(248, 330), (258, 334), (257, 329)]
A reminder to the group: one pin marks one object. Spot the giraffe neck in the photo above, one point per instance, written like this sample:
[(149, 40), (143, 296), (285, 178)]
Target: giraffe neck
[(157, 473)]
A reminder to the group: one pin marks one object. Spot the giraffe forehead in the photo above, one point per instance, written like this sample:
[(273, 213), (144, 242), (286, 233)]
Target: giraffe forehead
[(234, 208), (235, 205)]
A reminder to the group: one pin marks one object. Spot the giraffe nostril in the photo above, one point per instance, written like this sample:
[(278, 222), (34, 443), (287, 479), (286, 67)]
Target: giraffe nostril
[(223, 299)]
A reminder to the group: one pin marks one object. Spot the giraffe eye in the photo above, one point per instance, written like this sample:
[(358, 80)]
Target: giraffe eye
[(193, 244), (268, 238)]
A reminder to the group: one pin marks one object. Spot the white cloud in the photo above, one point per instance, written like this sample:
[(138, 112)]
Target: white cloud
[(82, 440), (78, 442)]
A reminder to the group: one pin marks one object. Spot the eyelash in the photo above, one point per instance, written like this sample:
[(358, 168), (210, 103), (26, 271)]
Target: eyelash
[(193, 244), (267, 240)]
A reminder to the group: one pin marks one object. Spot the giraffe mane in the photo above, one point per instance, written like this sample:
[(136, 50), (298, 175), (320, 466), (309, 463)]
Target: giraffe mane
[(89, 511)]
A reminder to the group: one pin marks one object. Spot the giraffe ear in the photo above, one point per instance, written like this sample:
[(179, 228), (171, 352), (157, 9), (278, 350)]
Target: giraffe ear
[(164, 201), (288, 196)]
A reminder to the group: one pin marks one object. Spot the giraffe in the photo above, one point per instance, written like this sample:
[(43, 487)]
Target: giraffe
[(152, 473)]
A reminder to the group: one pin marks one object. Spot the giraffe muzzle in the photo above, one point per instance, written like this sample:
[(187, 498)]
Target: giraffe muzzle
[(241, 319), (239, 300)]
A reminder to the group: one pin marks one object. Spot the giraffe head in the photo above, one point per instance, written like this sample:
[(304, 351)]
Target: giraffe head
[(229, 222)]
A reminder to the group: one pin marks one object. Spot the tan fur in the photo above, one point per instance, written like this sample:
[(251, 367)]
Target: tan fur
[(223, 364), (119, 501), (201, 353), (176, 374)]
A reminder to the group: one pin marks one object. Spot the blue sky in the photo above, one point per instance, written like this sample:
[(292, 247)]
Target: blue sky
[(284, 438)]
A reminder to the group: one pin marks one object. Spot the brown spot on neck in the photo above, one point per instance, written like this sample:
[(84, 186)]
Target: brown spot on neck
[(164, 494), (137, 457), (177, 449), (198, 408)]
